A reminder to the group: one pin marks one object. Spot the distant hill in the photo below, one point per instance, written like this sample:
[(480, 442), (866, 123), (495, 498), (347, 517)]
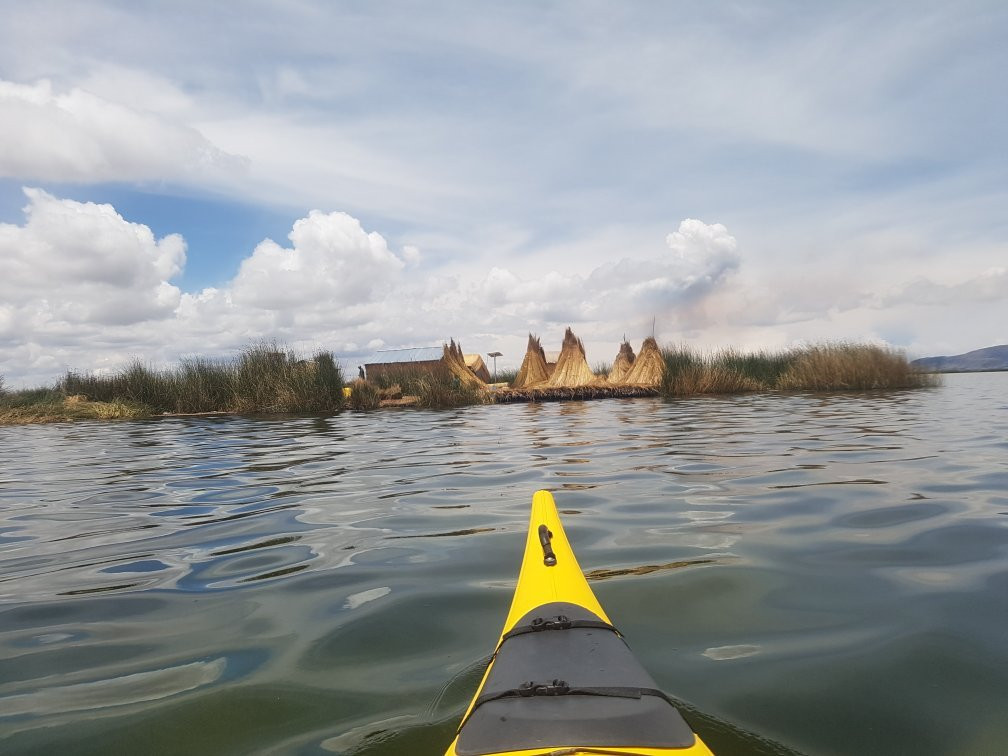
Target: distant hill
[(989, 358)]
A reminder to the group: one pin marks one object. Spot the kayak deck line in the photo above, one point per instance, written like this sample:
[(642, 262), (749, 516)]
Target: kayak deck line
[(560, 622), (562, 679)]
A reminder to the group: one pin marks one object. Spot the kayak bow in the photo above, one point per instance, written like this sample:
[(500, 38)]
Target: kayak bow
[(562, 680)]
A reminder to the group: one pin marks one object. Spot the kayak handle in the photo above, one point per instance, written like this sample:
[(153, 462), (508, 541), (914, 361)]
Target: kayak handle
[(549, 558)]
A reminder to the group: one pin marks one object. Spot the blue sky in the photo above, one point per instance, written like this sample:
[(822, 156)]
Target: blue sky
[(184, 178)]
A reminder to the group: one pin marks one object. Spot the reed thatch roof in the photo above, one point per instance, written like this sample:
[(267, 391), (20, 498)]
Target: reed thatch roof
[(475, 363), (454, 362), (533, 367), (648, 368), (622, 364), (572, 367)]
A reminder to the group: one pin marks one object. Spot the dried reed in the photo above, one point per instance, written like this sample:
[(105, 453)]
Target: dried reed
[(648, 368), (571, 367), (621, 365), (847, 367), (533, 368)]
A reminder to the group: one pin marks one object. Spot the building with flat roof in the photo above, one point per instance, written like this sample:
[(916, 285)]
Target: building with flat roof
[(391, 362)]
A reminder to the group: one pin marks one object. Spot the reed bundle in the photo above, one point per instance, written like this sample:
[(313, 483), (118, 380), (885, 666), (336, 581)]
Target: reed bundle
[(649, 367), (533, 368), (572, 366), (622, 364), (455, 364)]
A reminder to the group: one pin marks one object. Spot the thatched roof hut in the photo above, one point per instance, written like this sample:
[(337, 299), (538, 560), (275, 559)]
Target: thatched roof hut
[(533, 367), (572, 367), (622, 364), (648, 368), (454, 362), (475, 363)]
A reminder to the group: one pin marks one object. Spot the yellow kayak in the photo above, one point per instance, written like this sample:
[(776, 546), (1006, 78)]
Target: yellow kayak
[(562, 680)]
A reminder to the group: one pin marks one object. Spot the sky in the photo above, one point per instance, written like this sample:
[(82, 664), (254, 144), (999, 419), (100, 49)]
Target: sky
[(187, 178)]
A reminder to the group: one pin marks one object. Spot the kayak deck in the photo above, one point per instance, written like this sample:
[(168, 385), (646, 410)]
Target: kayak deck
[(562, 679)]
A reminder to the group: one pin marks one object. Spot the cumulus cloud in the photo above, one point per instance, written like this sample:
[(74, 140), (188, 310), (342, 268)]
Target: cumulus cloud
[(78, 136), (333, 261), (82, 263), (699, 258)]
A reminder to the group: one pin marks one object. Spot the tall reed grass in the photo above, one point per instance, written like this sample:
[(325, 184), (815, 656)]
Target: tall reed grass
[(364, 396), (507, 375), (852, 367), (262, 379), (437, 389), (822, 367)]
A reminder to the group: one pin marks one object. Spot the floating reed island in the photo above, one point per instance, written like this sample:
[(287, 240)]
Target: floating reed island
[(673, 371), (268, 379)]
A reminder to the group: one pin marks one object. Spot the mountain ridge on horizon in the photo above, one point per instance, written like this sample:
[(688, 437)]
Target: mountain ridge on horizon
[(979, 360)]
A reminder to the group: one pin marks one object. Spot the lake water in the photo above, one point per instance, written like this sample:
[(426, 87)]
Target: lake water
[(822, 574)]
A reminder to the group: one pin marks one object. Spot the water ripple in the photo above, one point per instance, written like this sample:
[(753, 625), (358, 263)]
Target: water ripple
[(294, 585)]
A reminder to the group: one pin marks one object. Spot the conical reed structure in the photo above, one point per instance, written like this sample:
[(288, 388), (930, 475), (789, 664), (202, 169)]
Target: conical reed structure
[(648, 368), (454, 362), (533, 368), (572, 367), (622, 364)]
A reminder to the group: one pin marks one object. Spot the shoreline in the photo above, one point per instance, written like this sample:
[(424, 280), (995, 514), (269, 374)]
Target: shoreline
[(76, 411), (265, 380)]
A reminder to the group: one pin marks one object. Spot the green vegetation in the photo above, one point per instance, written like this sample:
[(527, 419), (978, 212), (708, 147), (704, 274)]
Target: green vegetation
[(263, 379), (507, 376), (602, 369), (364, 396), (822, 367), (852, 367), (437, 391), (431, 389)]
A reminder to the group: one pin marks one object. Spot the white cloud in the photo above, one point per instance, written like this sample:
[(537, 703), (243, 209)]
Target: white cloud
[(449, 123), (333, 265), (78, 263), (78, 136)]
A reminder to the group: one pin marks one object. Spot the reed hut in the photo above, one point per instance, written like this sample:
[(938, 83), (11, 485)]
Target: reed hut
[(475, 363), (572, 367), (648, 368), (533, 367), (454, 362), (622, 364)]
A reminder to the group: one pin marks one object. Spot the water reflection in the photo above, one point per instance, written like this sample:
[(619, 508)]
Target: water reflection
[(291, 585)]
